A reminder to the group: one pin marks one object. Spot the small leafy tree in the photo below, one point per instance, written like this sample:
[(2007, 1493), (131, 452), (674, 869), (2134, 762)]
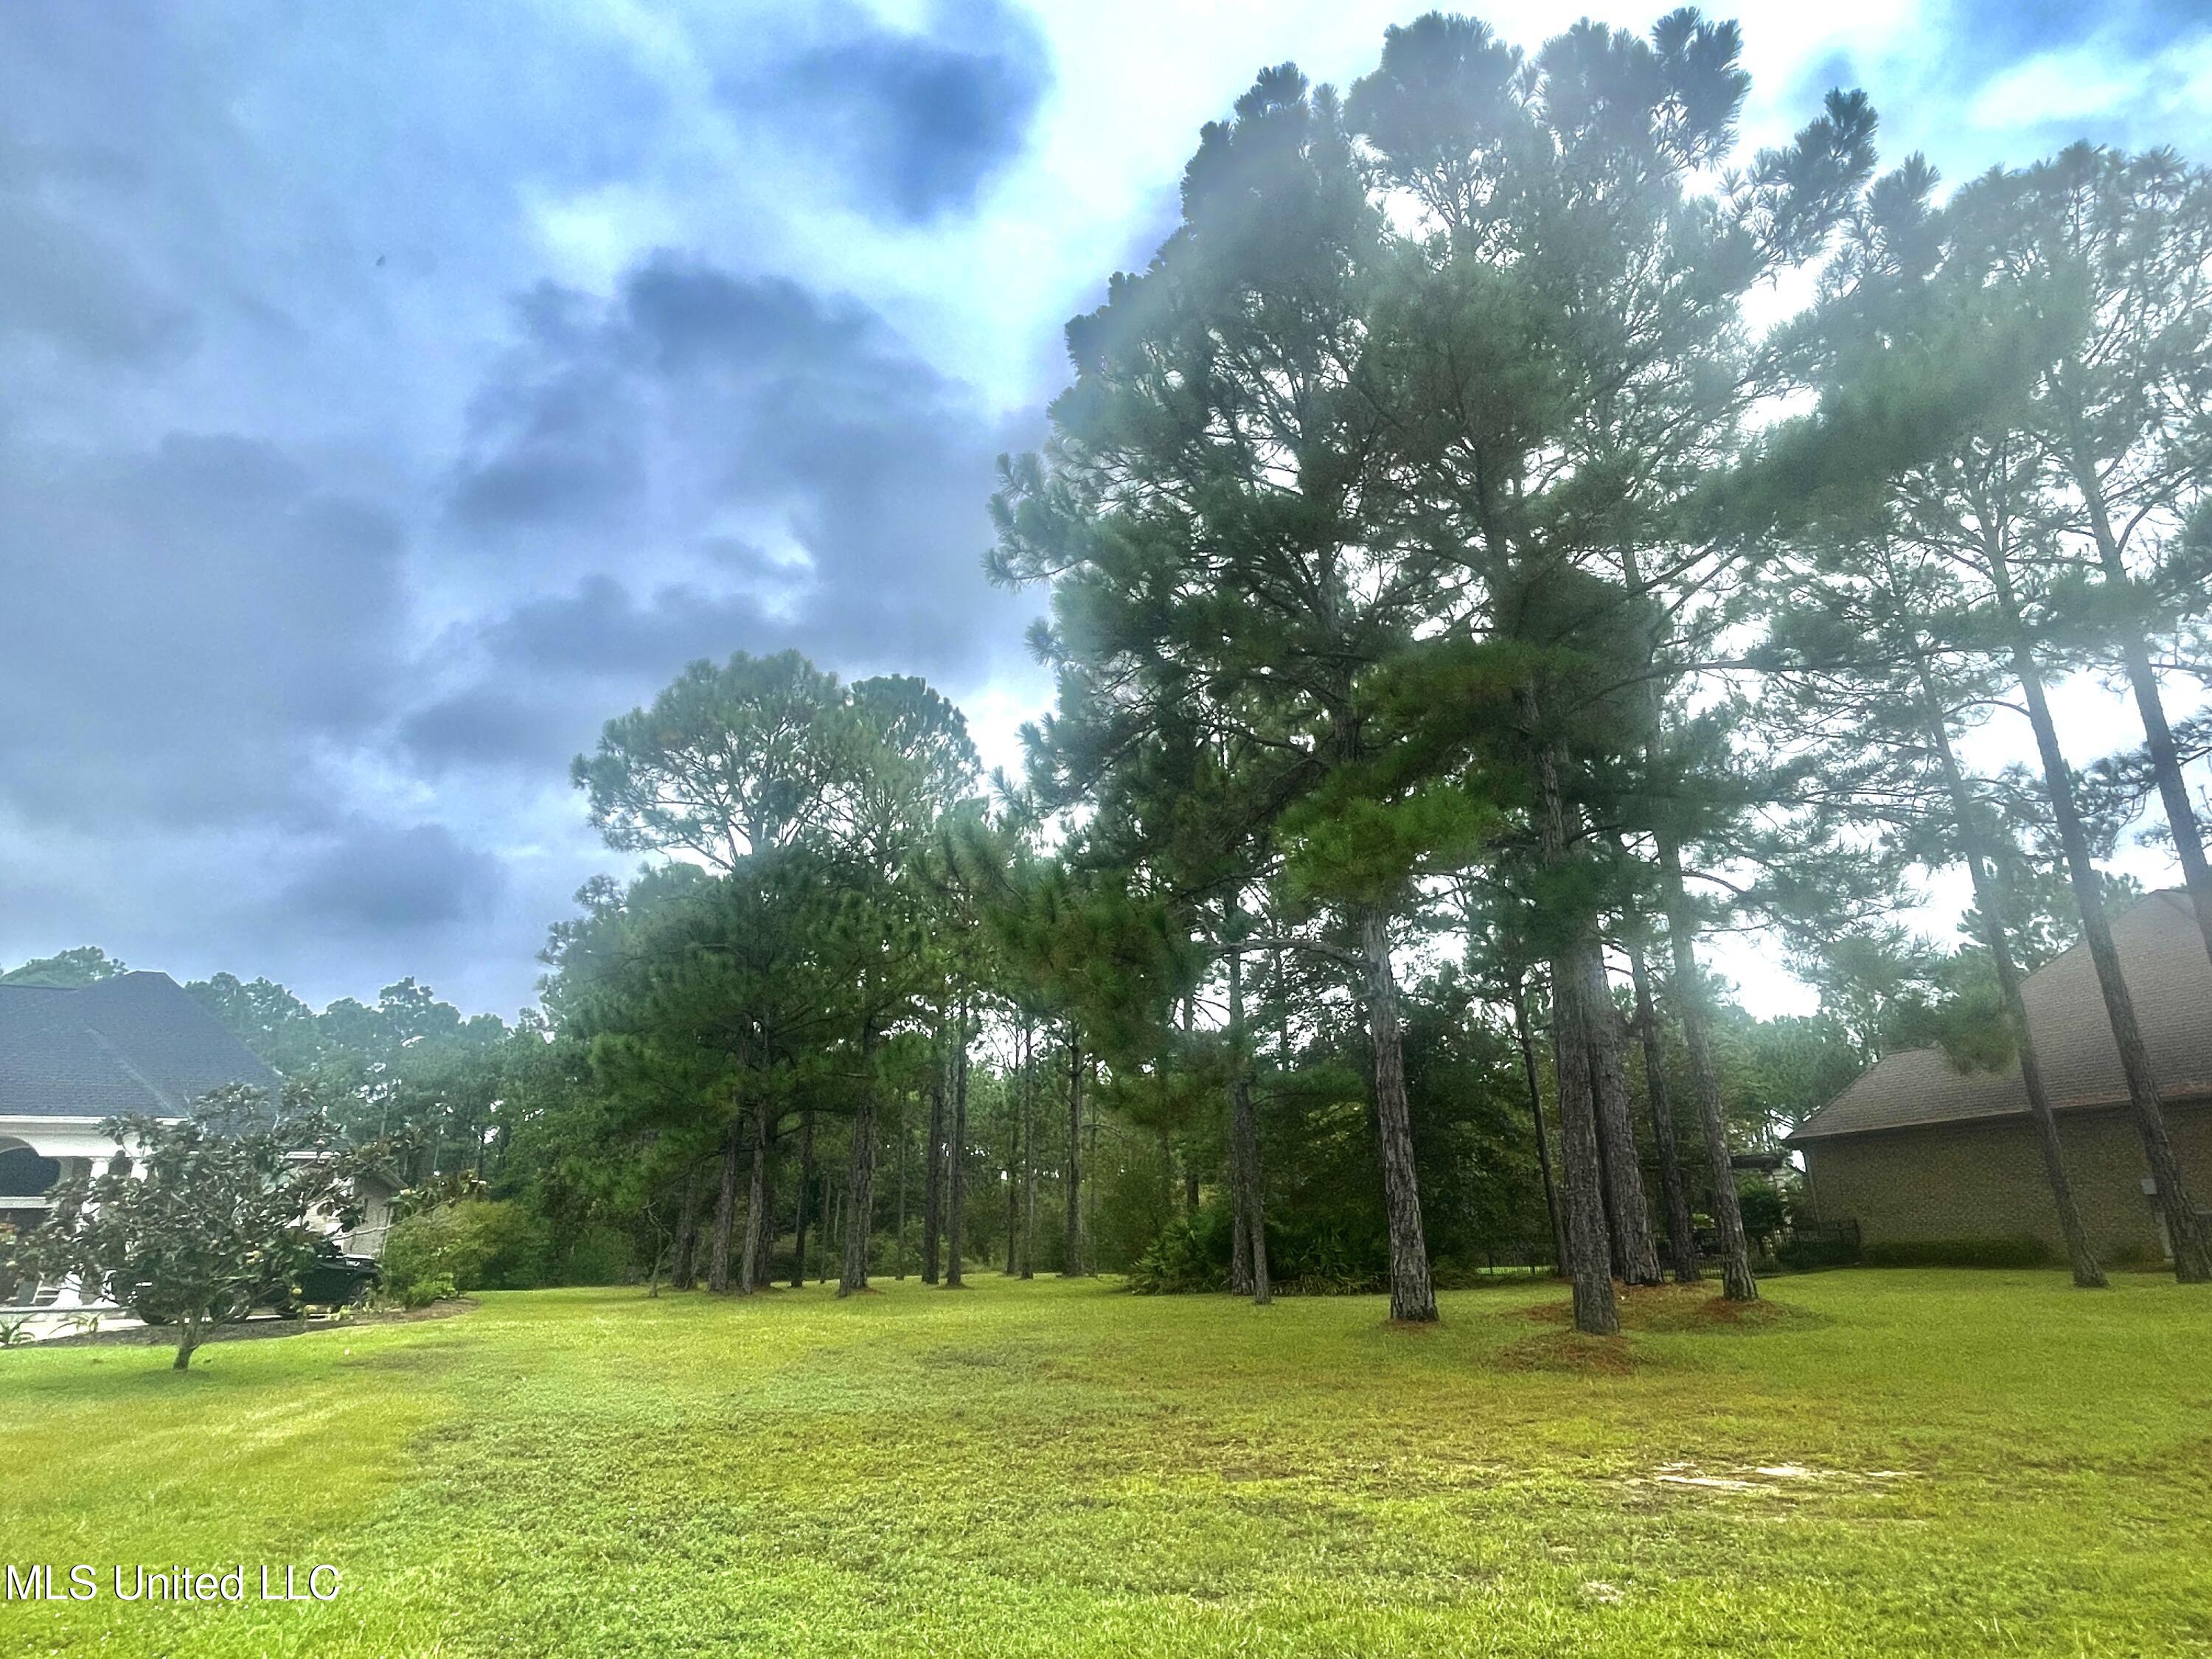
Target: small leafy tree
[(218, 1216)]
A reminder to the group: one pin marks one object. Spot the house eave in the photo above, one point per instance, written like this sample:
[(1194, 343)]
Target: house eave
[(2193, 1094)]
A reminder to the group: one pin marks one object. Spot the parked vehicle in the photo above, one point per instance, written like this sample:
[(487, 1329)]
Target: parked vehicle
[(335, 1280)]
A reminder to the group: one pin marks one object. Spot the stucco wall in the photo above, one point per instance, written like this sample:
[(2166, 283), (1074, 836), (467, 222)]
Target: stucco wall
[(1986, 1180)]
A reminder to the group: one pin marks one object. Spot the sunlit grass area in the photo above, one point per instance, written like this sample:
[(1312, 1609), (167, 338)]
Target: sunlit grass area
[(1871, 1463)]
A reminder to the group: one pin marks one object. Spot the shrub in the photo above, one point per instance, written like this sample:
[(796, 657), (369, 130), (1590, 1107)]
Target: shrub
[(2022, 1252), (475, 1244), (1760, 1203), (1811, 1248), (1191, 1254), (1325, 1260), (1313, 1259)]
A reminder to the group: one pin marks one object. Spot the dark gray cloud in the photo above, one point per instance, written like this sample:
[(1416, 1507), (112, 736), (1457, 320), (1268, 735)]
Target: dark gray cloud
[(557, 667), (915, 123), (185, 626), (383, 878), (696, 398)]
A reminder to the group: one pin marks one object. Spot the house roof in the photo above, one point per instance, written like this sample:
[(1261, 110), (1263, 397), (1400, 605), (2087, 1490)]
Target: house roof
[(2169, 980), (137, 1042)]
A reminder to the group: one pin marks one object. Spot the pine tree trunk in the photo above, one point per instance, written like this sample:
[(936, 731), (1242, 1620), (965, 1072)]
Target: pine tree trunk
[(805, 1197), (2142, 680), (1091, 1163), (1028, 1164), (1543, 1136), (754, 1267), (1589, 1268), (2192, 1261), (1240, 1233), (1737, 1283), (685, 1274), (1991, 898), (1588, 1265), (1616, 1125), (1071, 1265), (1681, 1240), (725, 1213), (932, 1172), (1258, 1285), (1616, 1265), (955, 1166), (898, 1246), (860, 1180), (765, 1216), (1413, 1292), (1244, 1127), (1244, 1150), (1014, 1158)]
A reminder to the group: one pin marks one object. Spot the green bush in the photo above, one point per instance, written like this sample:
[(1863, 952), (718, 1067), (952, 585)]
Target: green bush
[(1760, 1203), (1814, 1248), (1319, 1259), (1327, 1261), (2022, 1252), (1191, 1254), (474, 1244), (429, 1256)]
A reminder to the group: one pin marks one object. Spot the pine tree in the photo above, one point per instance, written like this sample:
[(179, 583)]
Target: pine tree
[(1563, 351), (1858, 646), (1215, 527), (1929, 375)]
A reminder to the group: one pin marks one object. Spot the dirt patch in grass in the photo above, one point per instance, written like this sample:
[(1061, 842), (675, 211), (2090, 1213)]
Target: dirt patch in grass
[(1789, 1478), (1678, 1308), (1569, 1353)]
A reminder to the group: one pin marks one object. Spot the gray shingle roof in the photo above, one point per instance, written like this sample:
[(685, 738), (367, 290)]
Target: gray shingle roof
[(2170, 980), (137, 1042)]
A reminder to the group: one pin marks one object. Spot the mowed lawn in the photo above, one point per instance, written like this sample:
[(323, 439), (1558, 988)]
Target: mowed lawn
[(1880, 1463)]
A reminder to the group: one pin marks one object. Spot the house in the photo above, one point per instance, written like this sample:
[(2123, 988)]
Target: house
[(1915, 1151), (71, 1056)]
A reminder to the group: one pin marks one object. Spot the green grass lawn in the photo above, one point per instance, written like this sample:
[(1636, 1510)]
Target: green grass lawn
[(1959, 1463)]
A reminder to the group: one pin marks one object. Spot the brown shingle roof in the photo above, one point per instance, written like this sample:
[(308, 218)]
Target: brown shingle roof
[(2169, 979)]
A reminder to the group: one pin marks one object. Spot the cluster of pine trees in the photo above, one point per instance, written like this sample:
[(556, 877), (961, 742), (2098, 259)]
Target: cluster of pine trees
[(1430, 518), (1446, 566)]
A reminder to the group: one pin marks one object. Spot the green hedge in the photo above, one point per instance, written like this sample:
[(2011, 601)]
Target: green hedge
[(2022, 1252)]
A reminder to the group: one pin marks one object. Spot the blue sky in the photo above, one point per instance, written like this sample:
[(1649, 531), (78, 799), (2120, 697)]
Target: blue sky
[(389, 394)]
